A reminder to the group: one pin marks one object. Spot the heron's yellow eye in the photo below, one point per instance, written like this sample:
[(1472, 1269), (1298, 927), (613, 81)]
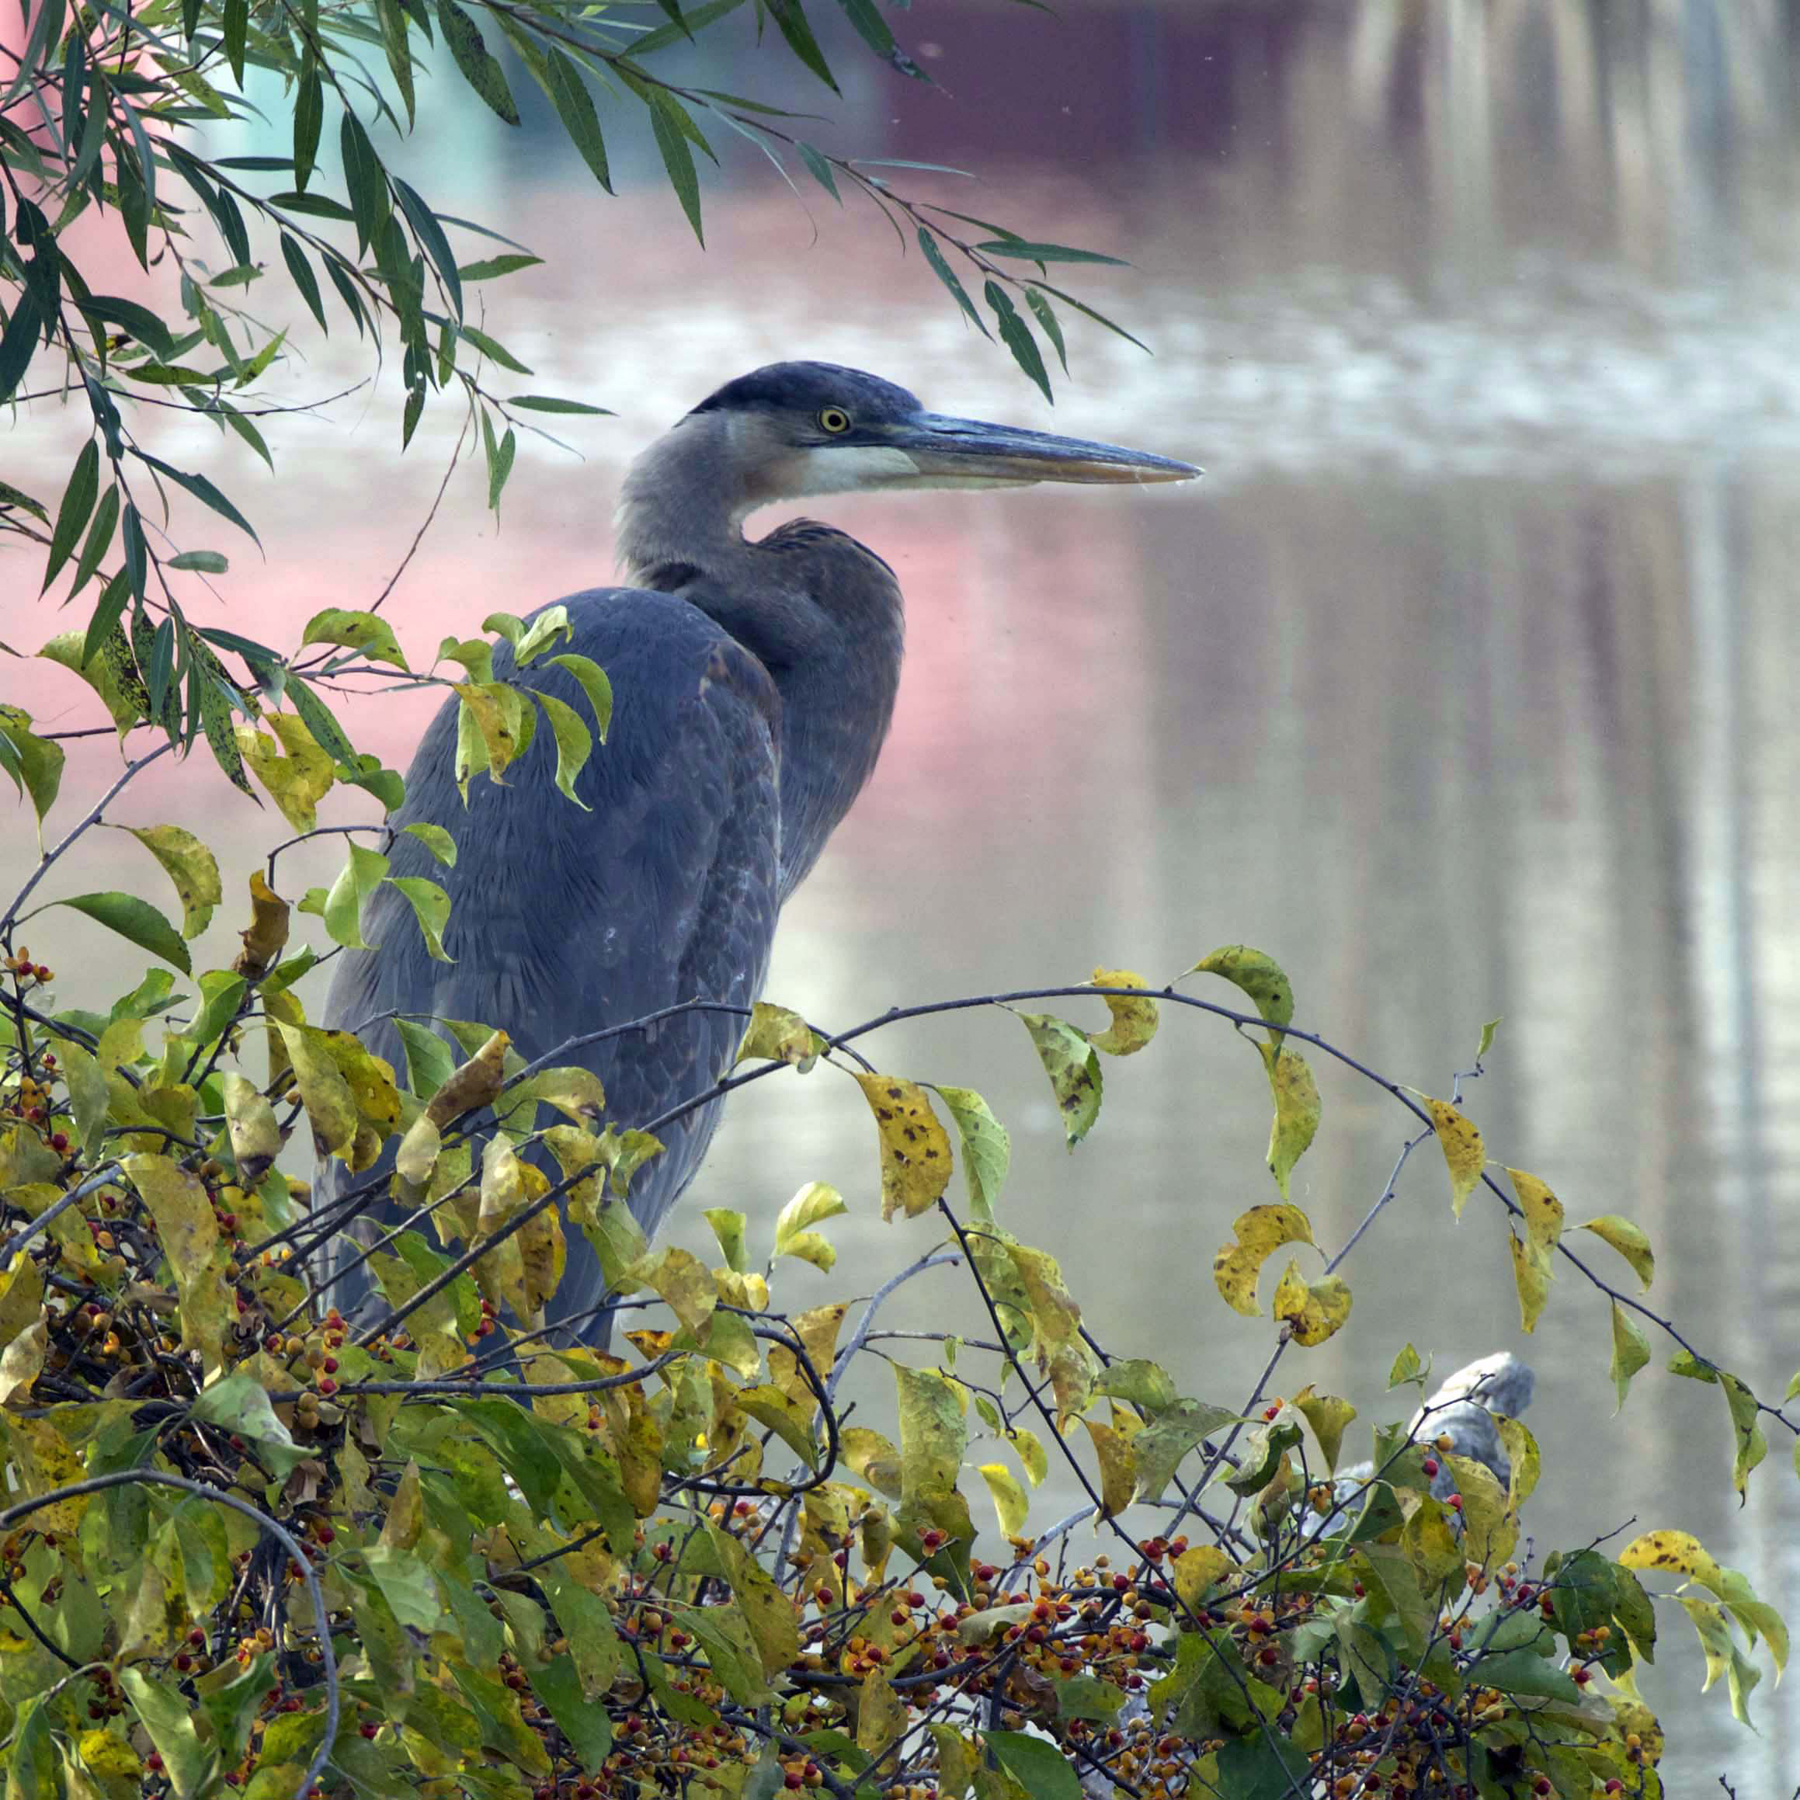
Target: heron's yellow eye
[(834, 419)]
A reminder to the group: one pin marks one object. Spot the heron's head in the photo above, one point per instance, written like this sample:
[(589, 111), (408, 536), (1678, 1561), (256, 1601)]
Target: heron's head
[(799, 428)]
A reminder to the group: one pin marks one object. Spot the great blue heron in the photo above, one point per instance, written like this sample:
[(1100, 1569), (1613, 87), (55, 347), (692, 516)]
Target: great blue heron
[(753, 684)]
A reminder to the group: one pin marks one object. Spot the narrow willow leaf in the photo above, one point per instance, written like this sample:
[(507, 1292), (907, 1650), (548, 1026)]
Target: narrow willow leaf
[(99, 541), (575, 107), (942, 270), (791, 21), (1016, 335), (666, 121), (500, 463), (73, 514), (819, 169), (489, 347), (1045, 253), (475, 60), (1046, 317), (549, 403), (201, 562), (203, 491)]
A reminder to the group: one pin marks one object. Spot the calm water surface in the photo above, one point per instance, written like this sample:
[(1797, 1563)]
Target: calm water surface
[(1463, 684)]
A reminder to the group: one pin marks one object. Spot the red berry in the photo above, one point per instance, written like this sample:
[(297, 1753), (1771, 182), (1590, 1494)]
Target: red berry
[(1454, 1502), (368, 1731), (330, 1365), (59, 1142), (1430, 1466), (327, 1385), (153, 1762), (1271, 1412)]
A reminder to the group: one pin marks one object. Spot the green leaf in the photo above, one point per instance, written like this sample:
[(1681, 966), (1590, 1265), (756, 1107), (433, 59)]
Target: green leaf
[(432, 240), (437, 840), (666, 117), (72, 515), (239, 1403), (431, 907), (363, 872), (986, 1148), (473, 58), (168, 1720), (574, 742), (594, 684), (364, 631), (1296, 1110), (1073, 1066), (34, 763), (794, 1235), (1016, 335), (203, 562), (575, 107), (1038, 1765), (136, 920)]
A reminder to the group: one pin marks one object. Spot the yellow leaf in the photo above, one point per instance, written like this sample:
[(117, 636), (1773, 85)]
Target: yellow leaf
[(1461, 1144), (190, 866), (1030, 1452), (1260, 976), (793, 1233), (255, 1135), (915, 1152), (472, 1084), (330, 1106), (1259, 1233), (685, 1282), (1315, 1313), (185, 1224), (868, 1454), (776, 1034), (266, 935), (880, 1714), (1010, 1504), (957, 1761), (1531, 1278), (1118, 1468), (1198, 1571), (498, 719), (1432, 1548), (1628, 1240), (1328, 1416), (932, 1431), (41, 1461), (1296, 1110), (1522, 1459), (290, 765), (1133, 1021), (1490, 1526), (1055, 1318), (1676, 1553), (22, 1332), (418, 1152), (1543, 1212)]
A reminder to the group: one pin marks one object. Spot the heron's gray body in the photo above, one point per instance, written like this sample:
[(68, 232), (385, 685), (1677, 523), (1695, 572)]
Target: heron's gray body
[(753, 685)]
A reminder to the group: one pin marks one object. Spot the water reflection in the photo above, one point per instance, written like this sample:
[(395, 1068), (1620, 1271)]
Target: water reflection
[(1464, 683)]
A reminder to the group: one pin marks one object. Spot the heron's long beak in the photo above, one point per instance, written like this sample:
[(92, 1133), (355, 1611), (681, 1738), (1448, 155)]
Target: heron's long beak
[(968, 453)]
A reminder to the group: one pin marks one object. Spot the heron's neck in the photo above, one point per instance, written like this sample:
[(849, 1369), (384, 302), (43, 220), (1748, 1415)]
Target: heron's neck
[(681, 501)]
